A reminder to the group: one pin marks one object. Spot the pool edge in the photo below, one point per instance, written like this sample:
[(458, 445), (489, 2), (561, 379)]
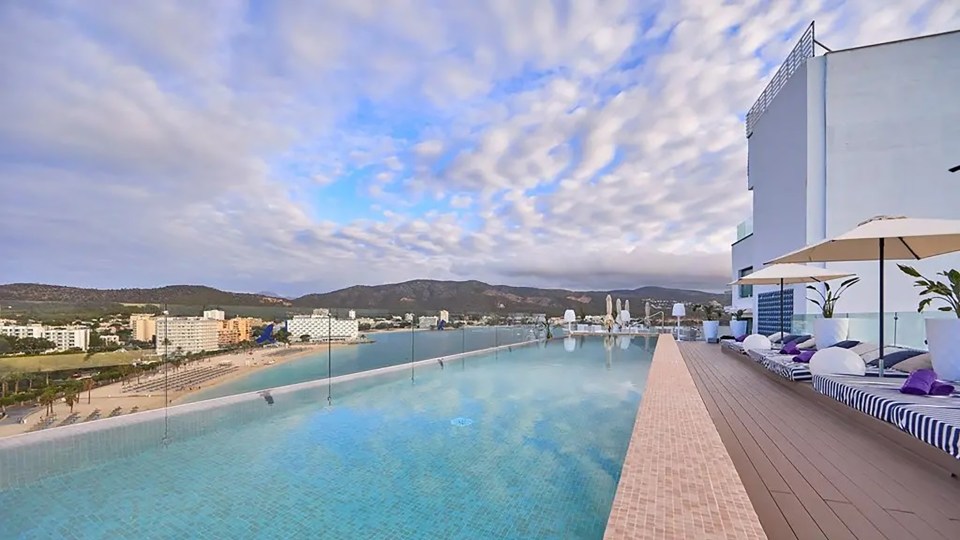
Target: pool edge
[(678, 481)]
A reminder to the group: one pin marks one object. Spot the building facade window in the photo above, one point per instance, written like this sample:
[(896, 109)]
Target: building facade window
[(746, 291)]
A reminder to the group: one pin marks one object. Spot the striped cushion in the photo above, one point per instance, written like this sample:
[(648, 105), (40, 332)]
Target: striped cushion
[(875, 354), (935, 425)]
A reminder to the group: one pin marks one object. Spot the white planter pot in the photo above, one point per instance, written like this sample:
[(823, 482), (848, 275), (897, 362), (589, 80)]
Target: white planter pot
[(711, 330), (943, 339), (829, 332), (738, 328)]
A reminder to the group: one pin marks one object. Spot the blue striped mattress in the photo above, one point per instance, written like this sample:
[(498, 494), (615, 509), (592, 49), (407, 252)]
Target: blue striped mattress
[(934, 420)]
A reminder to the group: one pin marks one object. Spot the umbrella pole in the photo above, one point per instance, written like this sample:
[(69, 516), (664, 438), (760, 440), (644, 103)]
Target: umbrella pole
[(781, 310), (880, 361)]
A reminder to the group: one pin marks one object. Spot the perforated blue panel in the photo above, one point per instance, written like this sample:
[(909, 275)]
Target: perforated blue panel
[(768, 311)]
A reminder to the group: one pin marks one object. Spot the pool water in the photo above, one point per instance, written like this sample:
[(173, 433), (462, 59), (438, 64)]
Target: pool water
[(526, 443), (388, 349)]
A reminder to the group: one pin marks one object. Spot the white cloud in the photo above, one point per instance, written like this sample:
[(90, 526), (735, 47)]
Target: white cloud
[(529, 143)]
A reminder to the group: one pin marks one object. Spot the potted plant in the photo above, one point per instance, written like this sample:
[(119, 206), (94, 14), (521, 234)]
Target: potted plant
[(828, 330), (943, 335), (711, 320), (738, 326)]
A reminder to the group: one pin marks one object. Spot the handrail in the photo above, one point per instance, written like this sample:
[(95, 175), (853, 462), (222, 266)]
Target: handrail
[(803, 50)]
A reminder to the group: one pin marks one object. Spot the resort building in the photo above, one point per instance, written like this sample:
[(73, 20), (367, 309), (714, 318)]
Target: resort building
[(322, 327), (428, 322), (215, 314), (236, 330), (186, 335), (445, 316), (144, 326), (110, 339), (64, 337), (836, 138)]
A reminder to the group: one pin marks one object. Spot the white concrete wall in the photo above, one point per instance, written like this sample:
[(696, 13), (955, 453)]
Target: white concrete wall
[(777, 172), (892, 131)]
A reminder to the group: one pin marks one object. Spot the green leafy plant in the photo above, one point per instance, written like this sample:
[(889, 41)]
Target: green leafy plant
[(828, 297), (937, 290), (711, 311)]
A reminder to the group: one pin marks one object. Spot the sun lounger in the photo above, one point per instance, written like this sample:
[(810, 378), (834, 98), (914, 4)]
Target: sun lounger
[(934, 420)]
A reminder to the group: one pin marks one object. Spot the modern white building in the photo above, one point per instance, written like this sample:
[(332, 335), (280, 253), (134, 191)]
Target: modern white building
[(444, 316), (110, 339), (352, 314), (63, 337), (322, 327), (408, 317), (428, 322), (215, 314), (839, 137), (181, 335), (144, 326)]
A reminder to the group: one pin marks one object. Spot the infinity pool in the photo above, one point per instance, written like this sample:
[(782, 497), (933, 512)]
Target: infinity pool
[(524, 443)]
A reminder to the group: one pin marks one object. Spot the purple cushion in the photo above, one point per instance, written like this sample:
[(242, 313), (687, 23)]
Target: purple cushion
[(740, 339), (790, 348), (940, 388), (804, 356), (919, 382)]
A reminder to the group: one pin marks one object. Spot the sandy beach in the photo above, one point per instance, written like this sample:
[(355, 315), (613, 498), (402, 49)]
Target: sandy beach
[(109, 397)]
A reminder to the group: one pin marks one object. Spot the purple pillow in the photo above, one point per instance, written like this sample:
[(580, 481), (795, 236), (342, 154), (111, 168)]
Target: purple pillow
[(804, 356), (790, 348), (740, 339), (919, 382), (940, 388)]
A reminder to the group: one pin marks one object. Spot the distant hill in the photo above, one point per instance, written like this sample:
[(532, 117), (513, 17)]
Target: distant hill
[(477, 296), (197, 295), (417, 295)]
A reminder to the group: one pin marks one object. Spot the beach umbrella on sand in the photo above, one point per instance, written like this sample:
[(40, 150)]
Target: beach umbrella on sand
[(789, 274), (882, 238)]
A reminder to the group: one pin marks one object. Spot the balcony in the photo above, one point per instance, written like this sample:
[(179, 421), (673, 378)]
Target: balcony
[(744, 229)]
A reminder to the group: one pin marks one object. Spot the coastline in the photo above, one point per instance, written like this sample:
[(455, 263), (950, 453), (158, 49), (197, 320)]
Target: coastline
[(109, 397)]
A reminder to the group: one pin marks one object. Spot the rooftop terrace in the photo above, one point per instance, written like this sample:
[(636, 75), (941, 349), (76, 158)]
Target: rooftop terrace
[(814, 468)]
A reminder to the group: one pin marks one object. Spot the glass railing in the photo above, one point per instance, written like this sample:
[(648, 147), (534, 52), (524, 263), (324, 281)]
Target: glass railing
[(903, 328), (744, 229)]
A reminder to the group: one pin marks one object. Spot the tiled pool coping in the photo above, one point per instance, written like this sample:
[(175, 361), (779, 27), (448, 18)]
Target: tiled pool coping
[(678, 480)]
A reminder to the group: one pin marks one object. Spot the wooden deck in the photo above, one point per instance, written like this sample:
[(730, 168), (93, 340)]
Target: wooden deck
[(816, 469)]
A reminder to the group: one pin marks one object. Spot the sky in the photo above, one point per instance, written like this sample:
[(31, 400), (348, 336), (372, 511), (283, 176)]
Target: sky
[(300, 147)]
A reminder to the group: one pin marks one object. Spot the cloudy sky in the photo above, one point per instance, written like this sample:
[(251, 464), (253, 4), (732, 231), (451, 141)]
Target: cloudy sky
[(305, 146)]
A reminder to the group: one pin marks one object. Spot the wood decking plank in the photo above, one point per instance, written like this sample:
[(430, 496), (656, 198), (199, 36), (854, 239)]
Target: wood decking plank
[(842, 473)]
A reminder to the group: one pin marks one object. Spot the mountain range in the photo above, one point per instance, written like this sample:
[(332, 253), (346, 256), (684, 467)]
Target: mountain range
[(416, 295)]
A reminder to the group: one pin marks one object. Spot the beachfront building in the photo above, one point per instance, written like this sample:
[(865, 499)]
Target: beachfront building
[(184, 335), (320, 326), (63, 337), (444, 316), (110, 339), (236, 330), (215, 314), (144, 326), (837, 138), (428, 322)]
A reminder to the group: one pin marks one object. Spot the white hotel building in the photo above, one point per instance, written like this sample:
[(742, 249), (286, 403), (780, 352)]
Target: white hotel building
[(64, 337), (186, 335), (837, 138), (322, 327)]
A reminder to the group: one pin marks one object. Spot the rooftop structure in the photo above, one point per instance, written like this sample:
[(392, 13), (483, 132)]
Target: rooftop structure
[(832, 142)]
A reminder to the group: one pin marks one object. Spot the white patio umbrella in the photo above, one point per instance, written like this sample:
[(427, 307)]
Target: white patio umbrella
[(789, 274), (609, 306), (882, 238)]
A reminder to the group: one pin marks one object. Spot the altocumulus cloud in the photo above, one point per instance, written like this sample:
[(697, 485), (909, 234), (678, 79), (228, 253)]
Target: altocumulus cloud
[(310, 145)]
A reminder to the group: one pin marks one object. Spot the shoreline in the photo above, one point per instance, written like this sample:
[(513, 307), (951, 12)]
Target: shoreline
[(109, 397)]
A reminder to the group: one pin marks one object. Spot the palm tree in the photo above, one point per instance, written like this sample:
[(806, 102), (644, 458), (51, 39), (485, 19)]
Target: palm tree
[(88, 387), (70, 397), (47, 398)]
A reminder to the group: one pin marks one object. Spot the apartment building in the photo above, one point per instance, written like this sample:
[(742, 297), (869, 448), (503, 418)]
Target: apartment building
[(63, 337), (215, 314), (236, 330), (186, 335), (144, 326), (321, 327), (837, 138)]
